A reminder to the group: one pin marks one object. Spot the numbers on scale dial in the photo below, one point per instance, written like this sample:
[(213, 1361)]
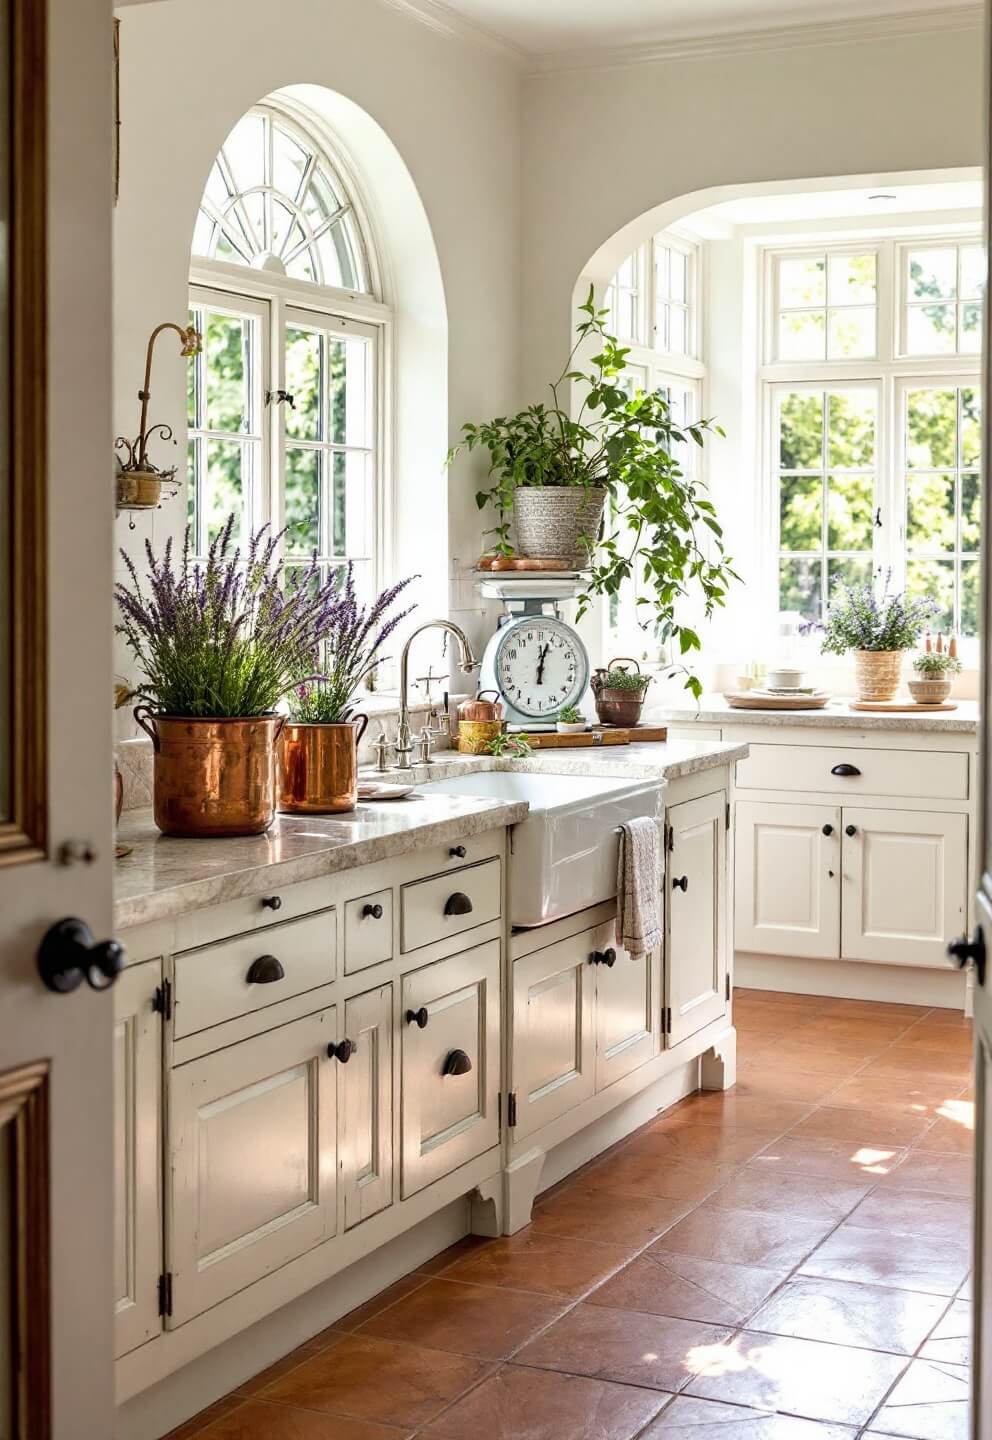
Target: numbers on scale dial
[(538, 670)]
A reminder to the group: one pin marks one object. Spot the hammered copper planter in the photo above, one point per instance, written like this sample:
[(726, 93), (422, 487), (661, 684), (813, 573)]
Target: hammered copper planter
[(877, 673), (318, 767), (213, 778)]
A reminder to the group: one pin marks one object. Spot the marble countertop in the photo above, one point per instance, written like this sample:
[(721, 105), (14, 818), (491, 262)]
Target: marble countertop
[(714, 710), (164, 877)]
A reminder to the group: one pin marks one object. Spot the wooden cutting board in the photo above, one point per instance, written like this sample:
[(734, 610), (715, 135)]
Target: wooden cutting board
[(747, 700), (551, 740), (900, 707)]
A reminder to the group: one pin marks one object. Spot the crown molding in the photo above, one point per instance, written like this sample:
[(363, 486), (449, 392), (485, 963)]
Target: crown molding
[(445, 22), (750, 42)]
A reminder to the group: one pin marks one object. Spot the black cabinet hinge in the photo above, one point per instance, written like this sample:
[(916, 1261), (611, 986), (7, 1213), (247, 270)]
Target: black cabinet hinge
[(728, 984), (669, 838), (165, 1293), (728, 815), (511, 1110), (666, 1020), (162, 1003)]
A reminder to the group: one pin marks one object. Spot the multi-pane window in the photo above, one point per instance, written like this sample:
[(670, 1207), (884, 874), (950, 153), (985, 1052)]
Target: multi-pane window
[(826, 305), (673, 280), (944, 288), (625, 299), (652, 298)]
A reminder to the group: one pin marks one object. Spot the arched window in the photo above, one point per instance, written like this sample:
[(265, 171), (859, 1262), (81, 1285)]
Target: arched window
[(284, 419)]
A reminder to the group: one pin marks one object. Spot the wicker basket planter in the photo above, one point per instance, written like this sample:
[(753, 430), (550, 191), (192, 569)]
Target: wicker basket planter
[(549, 521), (929, 691), (877, 673)]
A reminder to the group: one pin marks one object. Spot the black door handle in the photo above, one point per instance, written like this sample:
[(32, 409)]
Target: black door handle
[(265, 971), (828, 829), (965, 952), (68, 955), (604, 957), (850, 830), (418, 1017), (271, 902), (458, 904), (845, 770), (342, 1052), (457, 1063), (375, 911), (681, 883)]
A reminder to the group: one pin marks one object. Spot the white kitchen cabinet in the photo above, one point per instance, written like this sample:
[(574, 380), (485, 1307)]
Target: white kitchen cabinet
[(905, 885), (137, 1147), (554, 1049), (252, 1160), (628, 1005), (449, 1061), (365, 1106), (788, 879), (696, 906)]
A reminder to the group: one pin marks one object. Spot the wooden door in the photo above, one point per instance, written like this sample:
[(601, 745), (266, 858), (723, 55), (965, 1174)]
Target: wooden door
[(553, 1045), (905, 884), (137, 1152), (696, 948), (449, 1016), (365, 1106), (628, 1006), (56, 843), (252, 1161), (787, 881)]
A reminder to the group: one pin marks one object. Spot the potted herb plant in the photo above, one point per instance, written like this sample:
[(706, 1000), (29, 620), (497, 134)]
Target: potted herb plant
[(878, 629), (218, 645), (318, 748), (570, 721), (934, 671), (619, 695), (552, 469)]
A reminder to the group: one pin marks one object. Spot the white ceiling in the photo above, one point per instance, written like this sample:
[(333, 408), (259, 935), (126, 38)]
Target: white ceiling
[(544, 26)]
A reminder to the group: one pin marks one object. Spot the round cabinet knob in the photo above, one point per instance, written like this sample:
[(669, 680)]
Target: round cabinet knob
[(604, 957), (418, 1017), (265, 971), (68, 955), (681, 882), (850, 829), (458, 852), (271, 902), (373, 911), (828, 829), (457, 1063), (342, 1052), (965, 952), (458, 904)]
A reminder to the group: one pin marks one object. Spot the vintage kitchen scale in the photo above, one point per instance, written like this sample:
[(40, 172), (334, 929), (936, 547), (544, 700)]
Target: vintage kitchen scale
[(535, 660)]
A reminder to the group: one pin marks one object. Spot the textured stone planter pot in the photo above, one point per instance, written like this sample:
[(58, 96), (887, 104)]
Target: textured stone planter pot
[(929, 691), (549, 521), (877, 673)]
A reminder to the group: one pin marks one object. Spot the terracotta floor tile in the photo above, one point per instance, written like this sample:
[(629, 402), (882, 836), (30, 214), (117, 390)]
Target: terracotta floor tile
[(290, 1362), (909, 1212), (921, 1097), (376, 1380), (867, 1009), (873, 1128), (930, 1402), (923, 1170), (382, 1301), (728, 1110), (468, 1319), (833, 1159), (468, 1245), (905, 1262), (791, 1054), (950, 1341), (914, 1066), (257, 1420), (745, 1237), (193, 1428), (944, 1039), (856, 1037), (624, 1346), (870, 1317), (758, 1187), (631, 1171), (754, 1081), (803, 1377), (705, 1143), (951, 1137), (789, 998), (686, 1418), (951, 1019), (545, 1264), (685, 1287), (518, 1404), (587, 1214)]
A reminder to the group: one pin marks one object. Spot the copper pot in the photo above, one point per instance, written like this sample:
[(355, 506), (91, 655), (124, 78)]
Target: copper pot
[(213, 777), (474, 735), (618, 707), (480, 709), (318, 767)]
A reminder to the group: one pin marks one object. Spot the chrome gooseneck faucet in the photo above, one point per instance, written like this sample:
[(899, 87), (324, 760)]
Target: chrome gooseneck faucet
[(467, 662)]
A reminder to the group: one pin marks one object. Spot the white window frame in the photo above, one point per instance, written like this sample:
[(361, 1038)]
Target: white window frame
[(643, 345)]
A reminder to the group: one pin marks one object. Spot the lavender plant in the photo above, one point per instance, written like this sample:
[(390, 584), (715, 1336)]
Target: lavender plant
[(354, 640), (859, 619), (227, 638)]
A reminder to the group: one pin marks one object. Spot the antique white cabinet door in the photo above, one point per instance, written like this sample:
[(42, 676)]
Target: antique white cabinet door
[(628, 1006), (554, 1054), (787, 891), (365, 1106), (696, 952), (56, 573)]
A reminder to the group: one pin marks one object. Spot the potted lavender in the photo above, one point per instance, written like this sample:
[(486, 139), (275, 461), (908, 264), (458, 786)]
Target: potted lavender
[(878, 629), (318, 749), (218, 645)]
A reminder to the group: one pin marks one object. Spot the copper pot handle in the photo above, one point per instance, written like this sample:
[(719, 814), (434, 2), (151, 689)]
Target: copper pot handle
[(363, 721), (145, 718), (280, 722)]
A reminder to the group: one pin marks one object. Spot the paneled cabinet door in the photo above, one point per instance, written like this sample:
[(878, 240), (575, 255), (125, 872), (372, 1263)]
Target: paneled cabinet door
[(449, 1064), (554, 1056), (628, 1005), (137, 1147), (787, 887), (252, 1160), (696, 960), (905, 885), (365, 1106)]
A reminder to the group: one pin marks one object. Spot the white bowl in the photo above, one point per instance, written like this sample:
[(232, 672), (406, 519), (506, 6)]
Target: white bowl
[(784, 679)]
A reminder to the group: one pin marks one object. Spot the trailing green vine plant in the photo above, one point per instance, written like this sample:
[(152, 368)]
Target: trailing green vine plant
[(659, 523)]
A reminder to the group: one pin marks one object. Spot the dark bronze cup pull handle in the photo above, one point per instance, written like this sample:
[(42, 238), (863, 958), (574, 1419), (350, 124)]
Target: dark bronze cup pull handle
[(458, 904), (681, 883), (375, 911), (845, 770), (457, 1063), (418, 1017), (343, 1052), (265, 970)]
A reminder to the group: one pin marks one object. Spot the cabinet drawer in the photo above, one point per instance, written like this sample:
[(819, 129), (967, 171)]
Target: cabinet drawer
[(213, 984), (448, 904), (368, 931), (929, 774)]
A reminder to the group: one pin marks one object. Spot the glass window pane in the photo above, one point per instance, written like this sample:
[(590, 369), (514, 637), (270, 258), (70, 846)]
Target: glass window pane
[(971, 511), (801, 430), (971, 427), (349, 503), (933, 579), (677, 276), (348, 408), (971, 328), (973, 272), (971, 597), (854, 573), (300, 267), (677, 337), (800, 587), (302, 501), (225, 342), (802, 281), (933, 273), (931, 429), (244, 150), (192, 490), (931, 330), (802, 335), (800, 512), (289, 162), (851, 279), (851, 429), (850, 507), (851, 334), (929, 512), (225, 487), (302, 418)]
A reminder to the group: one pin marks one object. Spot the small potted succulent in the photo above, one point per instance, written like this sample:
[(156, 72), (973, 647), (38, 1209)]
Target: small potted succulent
[(878, 629), (570, 721), (318, 748), (619, 695), (933, 673)]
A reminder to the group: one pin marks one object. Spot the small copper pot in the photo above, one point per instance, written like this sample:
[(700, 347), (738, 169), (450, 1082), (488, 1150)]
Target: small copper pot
[(213, 777), (318, 767)]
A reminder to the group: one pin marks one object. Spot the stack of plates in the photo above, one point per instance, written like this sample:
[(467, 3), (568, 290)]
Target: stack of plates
[(777, 699)]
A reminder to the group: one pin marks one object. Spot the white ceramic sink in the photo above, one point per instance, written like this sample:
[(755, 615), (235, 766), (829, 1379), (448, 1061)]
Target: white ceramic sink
[(564, 854)]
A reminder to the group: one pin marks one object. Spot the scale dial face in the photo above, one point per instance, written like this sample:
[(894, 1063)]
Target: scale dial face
[(541, 665)]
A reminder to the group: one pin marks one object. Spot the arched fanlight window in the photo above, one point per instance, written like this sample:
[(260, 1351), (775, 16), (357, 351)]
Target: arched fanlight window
[(272, 201)]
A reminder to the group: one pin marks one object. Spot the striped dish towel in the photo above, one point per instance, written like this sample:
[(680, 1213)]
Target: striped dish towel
[(638, 886)]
